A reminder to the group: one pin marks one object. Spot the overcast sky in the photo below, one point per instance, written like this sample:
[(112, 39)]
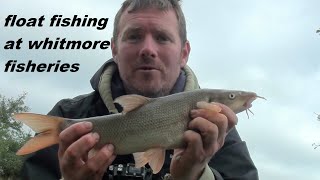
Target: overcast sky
[(269, 47)]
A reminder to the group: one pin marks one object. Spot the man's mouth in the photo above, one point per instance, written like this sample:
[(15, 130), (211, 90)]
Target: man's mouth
[(147, 68)]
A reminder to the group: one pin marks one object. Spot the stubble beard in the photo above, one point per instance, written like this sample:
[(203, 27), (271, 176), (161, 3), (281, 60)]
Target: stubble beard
[(150, 92)]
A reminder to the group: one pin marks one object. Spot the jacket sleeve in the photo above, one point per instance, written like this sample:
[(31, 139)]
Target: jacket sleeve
[(233, 161)]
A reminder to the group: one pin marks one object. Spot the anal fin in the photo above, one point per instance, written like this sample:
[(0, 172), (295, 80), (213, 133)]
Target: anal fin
[(155, 157)]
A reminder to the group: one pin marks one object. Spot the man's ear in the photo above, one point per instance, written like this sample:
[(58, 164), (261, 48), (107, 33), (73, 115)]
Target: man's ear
[(185, 53), (114, 49)]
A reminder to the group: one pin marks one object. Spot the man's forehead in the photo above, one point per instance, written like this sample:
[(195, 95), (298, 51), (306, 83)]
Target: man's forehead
[(160, 19), (140, 28)]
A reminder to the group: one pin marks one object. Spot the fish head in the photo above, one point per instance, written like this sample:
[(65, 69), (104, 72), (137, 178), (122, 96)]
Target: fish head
[(238, 101)]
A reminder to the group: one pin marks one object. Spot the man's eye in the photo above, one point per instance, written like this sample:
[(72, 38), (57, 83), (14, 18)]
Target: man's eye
[(134, 37), (162, 38)]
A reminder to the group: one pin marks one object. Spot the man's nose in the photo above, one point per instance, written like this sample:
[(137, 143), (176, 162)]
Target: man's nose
[(149, 48)]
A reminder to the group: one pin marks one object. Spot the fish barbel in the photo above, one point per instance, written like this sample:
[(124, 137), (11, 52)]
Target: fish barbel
[(146, 127)]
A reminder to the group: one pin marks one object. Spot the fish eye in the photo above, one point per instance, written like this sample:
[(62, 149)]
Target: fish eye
[(232, 96)]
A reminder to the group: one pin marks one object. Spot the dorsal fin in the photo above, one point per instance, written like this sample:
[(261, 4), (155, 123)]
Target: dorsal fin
[(131, 102)]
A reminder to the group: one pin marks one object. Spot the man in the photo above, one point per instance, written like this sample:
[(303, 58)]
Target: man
[(150, 51)]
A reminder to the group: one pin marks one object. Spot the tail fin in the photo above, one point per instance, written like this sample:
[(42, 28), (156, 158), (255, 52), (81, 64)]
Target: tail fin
[(46, 127)]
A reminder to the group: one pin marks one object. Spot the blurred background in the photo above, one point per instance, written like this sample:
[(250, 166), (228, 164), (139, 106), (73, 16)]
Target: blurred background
[(269, 47)]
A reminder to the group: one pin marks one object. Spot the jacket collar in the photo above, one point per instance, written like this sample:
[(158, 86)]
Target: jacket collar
[(108, 83)]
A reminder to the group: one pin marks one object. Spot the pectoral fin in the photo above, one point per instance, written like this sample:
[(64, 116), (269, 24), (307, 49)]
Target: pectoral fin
[(209, 106), (155, 158), (131, 102)]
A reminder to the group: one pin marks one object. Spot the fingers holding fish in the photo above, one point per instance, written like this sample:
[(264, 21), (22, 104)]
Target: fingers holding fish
[(76, 155), (206, 135), (75, 143), (97, 165), (231, 116), (81, 147), (217, 122), (193, 141), (220, 111), (75, 158), (190, 162), (71, 134), (208, 114), (209, 133), (93, 168)]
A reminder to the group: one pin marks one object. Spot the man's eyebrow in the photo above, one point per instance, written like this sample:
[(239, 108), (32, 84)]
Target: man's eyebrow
[(139, 29), (162, 30), (132, 29), (165, 32), (158, 30)]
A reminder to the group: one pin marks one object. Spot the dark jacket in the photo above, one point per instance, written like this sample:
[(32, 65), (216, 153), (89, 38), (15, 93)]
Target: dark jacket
[(232, 161)]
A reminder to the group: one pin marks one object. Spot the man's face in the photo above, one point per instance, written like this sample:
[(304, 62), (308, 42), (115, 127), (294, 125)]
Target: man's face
[(149, 52)]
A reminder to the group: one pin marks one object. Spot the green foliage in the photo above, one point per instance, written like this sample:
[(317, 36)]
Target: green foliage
[(12, 135)]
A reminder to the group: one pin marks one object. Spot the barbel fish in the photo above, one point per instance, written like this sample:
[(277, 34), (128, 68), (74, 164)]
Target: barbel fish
[(146, 127)]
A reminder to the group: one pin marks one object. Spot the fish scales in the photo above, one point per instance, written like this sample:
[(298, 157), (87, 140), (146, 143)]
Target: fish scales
[(160, 123)]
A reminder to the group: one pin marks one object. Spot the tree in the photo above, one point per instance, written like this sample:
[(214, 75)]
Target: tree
[(318, 116), (315, 145), (12, 135)]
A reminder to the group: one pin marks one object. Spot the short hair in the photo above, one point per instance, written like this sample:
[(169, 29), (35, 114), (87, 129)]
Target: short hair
[(135, 5)]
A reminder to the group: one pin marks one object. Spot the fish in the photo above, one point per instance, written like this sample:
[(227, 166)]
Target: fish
[(145, 128)]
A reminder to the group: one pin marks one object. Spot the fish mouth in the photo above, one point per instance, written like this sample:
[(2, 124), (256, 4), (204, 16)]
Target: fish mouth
[(248, 104)]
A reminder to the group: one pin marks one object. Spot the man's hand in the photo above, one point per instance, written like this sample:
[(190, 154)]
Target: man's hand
[(208, 129), (75, 143)]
